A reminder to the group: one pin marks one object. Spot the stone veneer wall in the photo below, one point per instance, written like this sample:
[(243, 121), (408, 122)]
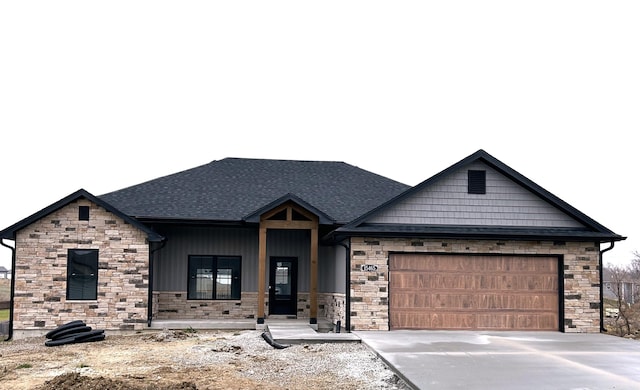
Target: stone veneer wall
[(173, 305), (41, 271), (370, 290), (332, 307)]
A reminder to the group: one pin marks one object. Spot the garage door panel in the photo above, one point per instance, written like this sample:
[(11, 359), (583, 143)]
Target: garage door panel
[(495, 301), (429, 262), (410, 300), (473, 263), (473, 292), (522, 282), (501, 321), (452, 301), (516, 302), (412, 279), (432, 280), (418, 320)]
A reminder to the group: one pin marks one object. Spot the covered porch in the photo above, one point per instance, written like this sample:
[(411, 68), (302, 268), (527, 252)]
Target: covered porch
[(279, 275)]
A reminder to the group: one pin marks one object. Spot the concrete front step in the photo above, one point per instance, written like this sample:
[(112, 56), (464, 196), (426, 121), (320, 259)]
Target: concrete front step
[(281, 330), (304, 334)]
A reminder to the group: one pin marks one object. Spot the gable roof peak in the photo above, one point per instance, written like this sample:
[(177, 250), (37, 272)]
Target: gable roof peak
[(604, 233), (10, 232)]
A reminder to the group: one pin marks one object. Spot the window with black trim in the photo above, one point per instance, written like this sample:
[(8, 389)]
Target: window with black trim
[(477, 182), (214, 277), (82, 274), (83, 213)]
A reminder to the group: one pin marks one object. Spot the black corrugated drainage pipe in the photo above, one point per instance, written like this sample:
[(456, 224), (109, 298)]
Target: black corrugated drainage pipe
[(13, 287), (150, 293), (602, 328), (347, 295)]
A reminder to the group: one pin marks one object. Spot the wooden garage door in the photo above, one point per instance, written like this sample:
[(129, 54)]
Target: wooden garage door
[(473, 292)]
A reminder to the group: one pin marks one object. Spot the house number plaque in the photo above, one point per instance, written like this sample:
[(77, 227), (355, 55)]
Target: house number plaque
[(369, 267)]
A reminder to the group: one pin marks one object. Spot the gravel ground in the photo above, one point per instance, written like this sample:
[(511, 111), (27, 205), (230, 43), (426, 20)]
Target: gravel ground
[(202, 360)]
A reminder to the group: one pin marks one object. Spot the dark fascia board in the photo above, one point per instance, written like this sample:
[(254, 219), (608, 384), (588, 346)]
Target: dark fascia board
[(474, 232), (323, 218), (10, 232), (493, 162)]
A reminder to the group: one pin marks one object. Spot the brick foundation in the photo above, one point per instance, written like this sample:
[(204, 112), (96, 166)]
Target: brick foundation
[(173, 305)]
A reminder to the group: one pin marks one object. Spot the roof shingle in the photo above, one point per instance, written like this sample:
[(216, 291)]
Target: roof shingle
[(230, 189)]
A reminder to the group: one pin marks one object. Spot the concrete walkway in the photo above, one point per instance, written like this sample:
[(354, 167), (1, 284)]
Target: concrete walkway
[(304, 334), (508, 360)]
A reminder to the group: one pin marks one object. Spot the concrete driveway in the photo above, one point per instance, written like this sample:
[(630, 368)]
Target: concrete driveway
[(508, 360)]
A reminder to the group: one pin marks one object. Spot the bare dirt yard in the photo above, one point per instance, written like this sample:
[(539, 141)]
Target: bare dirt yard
[(191, 360)]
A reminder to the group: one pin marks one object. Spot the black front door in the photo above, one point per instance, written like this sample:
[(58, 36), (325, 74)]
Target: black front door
[(283, 285)]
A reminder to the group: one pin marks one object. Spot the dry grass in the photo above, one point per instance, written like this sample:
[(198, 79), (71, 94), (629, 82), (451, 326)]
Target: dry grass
[(5, 295), (5, 289)]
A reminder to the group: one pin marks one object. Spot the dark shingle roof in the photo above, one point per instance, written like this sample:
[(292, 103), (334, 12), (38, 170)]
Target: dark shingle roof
[(232, 188)]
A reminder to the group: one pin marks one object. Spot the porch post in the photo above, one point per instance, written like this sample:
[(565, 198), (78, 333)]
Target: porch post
[(313, 293), (262, 266)]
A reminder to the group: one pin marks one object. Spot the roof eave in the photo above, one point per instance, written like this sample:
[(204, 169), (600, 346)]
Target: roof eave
[(453, 234)]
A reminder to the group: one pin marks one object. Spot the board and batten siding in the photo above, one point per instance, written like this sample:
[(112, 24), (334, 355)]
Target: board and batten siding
[(447, 202), (171, 262)]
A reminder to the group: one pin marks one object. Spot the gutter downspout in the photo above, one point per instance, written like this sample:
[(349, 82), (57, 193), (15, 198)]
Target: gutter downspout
[(150, 292), (602, 328), (347, 295), (13, 287)]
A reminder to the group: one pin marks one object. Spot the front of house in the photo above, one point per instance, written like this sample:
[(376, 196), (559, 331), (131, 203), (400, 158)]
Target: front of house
[(477, 246)]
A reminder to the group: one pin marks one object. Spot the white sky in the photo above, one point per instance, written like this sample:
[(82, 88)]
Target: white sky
[(103, 95)]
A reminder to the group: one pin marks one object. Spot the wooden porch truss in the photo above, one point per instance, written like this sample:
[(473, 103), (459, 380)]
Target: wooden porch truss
[(288, 216)]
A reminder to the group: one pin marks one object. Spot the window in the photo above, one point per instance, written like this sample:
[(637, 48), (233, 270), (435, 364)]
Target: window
[(83, 213), (214, 277), (477, 183), (82, 274)]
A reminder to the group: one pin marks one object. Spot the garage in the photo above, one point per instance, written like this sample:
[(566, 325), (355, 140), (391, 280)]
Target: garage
[(473, 292)]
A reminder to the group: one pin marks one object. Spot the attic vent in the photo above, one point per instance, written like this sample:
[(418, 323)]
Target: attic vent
[(83, 213), (477, 182)]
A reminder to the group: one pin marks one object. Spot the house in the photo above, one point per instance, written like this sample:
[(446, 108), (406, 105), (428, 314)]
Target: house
[(477, 246), (4, 273), (627, 287)]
